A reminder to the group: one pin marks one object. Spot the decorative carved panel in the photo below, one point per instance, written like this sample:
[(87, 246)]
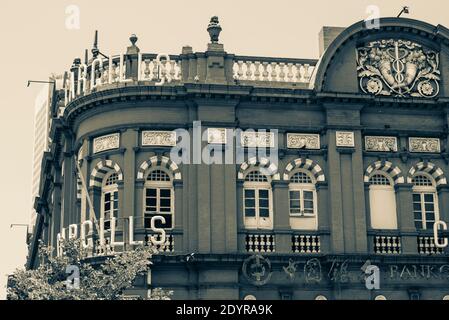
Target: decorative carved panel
[(344, 138), (257, 139), (159, 138), (108, 142), (424, 145), (216, 136), (384, 144), (303, 141), (399, 68)]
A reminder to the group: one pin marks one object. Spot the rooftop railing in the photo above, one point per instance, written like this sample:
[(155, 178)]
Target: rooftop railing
[(273, 69)]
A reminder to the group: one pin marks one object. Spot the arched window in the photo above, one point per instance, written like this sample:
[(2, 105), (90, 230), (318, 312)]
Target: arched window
[(257, 206), (159, 198), (109, 198), (382, 200), (425, 201), (303, 201)]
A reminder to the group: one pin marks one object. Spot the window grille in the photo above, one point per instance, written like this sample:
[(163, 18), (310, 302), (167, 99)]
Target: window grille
[(158, 175), (422, 181), (301, 177), (380, 180), (256, 176)]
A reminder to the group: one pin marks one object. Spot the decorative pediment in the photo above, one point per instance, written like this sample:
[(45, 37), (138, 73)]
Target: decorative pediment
[(398, 68)]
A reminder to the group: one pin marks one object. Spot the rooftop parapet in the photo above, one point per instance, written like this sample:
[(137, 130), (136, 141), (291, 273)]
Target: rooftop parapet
[(214, 66)]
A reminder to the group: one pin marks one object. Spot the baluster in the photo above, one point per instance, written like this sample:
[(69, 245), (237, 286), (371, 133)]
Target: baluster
[(302, 244), (281, 73), (155, 70), (265, 71), (256, 70), (298, 72), (240, 70), (147, 71), (263, 243), (289, 72), (172, 69), (250, 243), (306, 72), (308, 244), (273, 71), (164, 70), (249, 72), (257, 243)]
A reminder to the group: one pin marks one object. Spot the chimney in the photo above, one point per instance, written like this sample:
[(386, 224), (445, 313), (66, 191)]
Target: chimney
[(327, 35)]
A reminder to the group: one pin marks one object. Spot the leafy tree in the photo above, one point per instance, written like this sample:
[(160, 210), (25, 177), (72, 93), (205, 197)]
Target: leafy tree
[(107, 279)]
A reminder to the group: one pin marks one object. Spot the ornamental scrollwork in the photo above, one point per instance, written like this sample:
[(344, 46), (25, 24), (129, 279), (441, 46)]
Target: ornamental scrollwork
[(344, 138), (257, 139), (424, 145), (303, 141), (159, 138), (108, 142), (399, 68), (384, 144)]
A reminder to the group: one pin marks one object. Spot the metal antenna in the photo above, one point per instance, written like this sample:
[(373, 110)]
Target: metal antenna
[(95, 50)]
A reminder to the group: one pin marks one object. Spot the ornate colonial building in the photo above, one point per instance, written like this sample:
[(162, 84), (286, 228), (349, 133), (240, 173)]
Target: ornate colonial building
[(329, 168)]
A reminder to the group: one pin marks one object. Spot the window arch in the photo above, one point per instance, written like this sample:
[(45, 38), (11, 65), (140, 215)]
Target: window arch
[(303, 200), (382, 199), (425, 200), (158, 197), (257, 200), (106, 176)]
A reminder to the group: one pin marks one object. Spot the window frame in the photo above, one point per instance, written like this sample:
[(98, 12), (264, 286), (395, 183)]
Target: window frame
[(301, 187), (258, 186), (158, 185), (390, 187), (422, 191), (109, 189)]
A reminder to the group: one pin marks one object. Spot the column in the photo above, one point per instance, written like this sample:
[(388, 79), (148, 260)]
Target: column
[(406, 224), (281, 217)]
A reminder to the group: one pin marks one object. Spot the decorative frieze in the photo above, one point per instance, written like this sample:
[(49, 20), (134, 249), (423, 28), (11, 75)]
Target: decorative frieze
[(344, 139), (159, 138), (303, 141), (216, 136), (424, 145), (257, 139), (382, 144), (108, 142)]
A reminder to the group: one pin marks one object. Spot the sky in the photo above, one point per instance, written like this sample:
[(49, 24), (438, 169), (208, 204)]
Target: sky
[(37, 42)]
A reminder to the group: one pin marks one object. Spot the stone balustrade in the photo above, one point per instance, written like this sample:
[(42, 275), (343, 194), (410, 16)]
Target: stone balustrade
[(273, 69)]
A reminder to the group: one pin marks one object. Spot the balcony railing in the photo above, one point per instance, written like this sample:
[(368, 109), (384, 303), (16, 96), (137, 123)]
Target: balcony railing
[(169, 245), (306, 244), (264, 243), (426, 245), (387, 244)]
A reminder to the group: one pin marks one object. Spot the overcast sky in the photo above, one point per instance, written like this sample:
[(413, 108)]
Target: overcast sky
[(37, 43)]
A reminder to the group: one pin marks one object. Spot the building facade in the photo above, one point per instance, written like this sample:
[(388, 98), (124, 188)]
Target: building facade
[(328, 174), (41, 142)]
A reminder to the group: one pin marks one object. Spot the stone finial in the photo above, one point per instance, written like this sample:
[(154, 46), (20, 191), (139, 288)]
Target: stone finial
[(133, 39), (133, 49), (214, 29)]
